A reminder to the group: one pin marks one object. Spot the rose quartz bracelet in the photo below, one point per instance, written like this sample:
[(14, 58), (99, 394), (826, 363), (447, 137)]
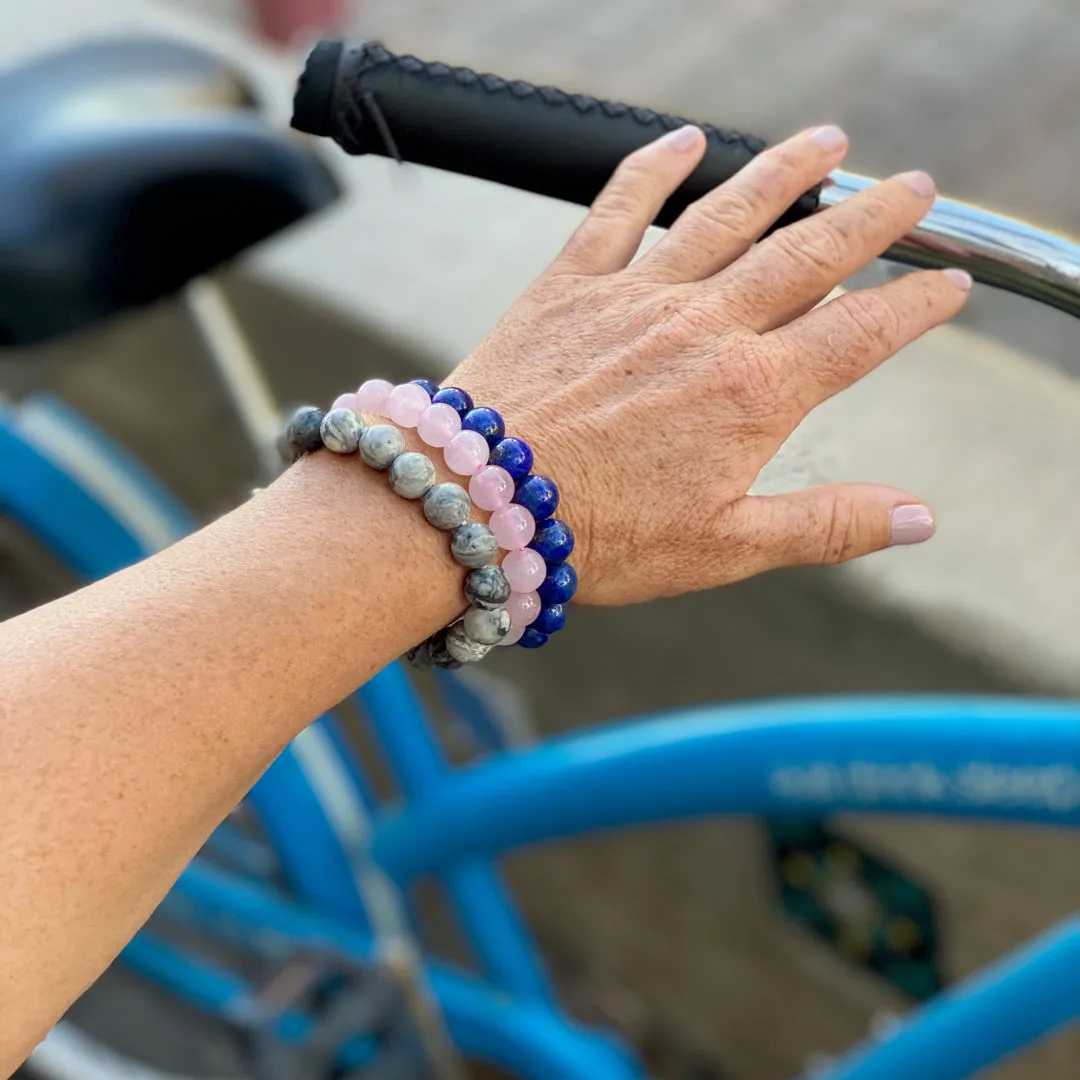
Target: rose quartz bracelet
[(523, 600)]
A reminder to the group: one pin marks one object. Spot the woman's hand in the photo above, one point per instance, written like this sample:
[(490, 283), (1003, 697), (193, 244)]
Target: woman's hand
[(655, 391)]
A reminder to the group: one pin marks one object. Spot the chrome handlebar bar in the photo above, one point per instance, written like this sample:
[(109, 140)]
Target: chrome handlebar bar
[(995, 249)]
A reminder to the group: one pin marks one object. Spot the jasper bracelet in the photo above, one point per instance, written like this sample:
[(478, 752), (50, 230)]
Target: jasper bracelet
[(523, 600)]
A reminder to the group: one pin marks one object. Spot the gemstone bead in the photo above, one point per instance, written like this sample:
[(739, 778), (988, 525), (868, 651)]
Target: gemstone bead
[(380, 445), (524, 607), (466, 452), (345, 401), (514, 456), (341, 430), (473, 544), (487, 587), (432, 653), (462, 648), (372, 395), (491, 488), (302, 434), (538, 494), (455, 397), (446, 506), (532, 638), (438, 424), (513, 527), (524, 569), (406, 403), (551, 619), (412, 475), (487, 626), (513, 636), (486, 422), (428, 385), (553, 540), (558, 586)]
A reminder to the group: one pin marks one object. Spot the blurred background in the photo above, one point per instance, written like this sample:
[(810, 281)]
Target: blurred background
[(679, 938)]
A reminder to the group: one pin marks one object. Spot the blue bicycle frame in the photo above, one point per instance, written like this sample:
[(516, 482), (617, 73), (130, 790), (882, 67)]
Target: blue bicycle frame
[(999, 759)]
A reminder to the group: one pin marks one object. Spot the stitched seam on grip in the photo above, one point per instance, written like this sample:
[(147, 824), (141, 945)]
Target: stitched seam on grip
[(371, 56)]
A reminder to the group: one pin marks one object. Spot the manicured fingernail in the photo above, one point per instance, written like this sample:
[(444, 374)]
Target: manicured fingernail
[(921, 183), (910, 524), (829, 137), (683, 138), (960, 278)]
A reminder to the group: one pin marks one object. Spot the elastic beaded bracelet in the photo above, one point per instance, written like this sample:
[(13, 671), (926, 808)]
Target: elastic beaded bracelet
[(519, 602)]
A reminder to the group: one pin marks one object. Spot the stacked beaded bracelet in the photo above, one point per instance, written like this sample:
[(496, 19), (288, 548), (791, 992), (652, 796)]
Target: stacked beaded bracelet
[(521, 602)]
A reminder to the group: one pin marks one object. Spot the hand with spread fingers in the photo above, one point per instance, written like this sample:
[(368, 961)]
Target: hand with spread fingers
[(656, 389)]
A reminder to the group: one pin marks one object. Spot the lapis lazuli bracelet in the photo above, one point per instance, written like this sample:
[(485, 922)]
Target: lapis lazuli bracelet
[(523, 600)]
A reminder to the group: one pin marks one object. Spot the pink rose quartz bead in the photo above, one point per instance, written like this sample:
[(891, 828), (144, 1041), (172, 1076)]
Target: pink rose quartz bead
[(524, 569), (406, 404), (345, 401), (513, 636), (466, 452), (524, 608), (513, 526), (372, 395), (438, 424), (491, 488)]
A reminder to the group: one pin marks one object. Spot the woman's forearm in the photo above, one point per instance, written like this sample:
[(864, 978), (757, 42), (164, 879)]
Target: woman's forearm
[(135, 713)]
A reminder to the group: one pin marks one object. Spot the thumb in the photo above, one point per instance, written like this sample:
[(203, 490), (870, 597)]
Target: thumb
[(828, 524)]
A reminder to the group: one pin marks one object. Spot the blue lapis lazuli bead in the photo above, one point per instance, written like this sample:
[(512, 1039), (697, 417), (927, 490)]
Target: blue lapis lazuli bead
[(553, 540), (513, 455), (486, 422), (559, 585), (455, 397), (428, 385), (532, 638), (539, 495), (550, 619)]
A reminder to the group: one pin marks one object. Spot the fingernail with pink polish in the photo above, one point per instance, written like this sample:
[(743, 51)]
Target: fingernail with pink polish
[(910, 524), (921, 183), (960, 278), (683, 138), (829, 137)]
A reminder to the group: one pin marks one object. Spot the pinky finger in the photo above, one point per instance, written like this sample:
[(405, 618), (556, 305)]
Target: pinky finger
[(836, 344)]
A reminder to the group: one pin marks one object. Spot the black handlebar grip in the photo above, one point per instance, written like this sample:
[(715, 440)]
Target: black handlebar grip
[(370, 101)]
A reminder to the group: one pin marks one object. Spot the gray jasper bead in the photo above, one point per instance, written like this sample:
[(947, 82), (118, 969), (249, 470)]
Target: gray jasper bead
[(486, 626), (432, 653), (301, 435), (462, 648), (380, 444), (341, 430), (487, 587), (473, 544), (412, 475), (446, 506)]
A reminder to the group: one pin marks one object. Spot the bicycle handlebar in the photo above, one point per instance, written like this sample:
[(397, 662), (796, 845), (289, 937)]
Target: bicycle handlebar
[(537, 138), (540, 139)]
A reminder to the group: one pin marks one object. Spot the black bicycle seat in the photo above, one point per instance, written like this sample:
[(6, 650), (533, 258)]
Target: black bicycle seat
[(128, 168)]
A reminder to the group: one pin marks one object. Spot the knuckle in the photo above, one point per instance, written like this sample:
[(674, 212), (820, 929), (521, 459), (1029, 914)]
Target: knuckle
[(874, 322), (753, 381), (841, 531), (736, 210), (623, 199), (817, 250)]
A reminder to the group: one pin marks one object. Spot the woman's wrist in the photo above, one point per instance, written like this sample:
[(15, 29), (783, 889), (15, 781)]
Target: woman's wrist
[(350, 519), (431, 444)]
